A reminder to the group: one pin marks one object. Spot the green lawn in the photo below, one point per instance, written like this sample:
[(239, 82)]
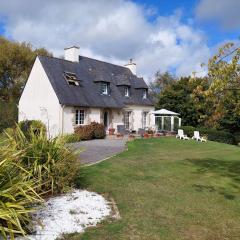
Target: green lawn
[(169, 189)]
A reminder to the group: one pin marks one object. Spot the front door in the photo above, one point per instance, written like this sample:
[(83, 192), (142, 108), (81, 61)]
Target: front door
[(106, 119)]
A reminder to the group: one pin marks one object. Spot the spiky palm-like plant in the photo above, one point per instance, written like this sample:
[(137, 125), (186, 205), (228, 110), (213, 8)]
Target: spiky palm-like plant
[(17, 195)]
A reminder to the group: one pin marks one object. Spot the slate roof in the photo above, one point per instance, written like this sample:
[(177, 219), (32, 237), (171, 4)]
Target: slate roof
[(90, 72)]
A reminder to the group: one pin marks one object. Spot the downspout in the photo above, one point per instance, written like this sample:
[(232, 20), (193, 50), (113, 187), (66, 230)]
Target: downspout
[(62, 118)]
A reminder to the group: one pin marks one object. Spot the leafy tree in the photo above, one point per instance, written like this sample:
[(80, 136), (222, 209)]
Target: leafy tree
[(178, 97), (16, 60), (223, 94), (161, 81)]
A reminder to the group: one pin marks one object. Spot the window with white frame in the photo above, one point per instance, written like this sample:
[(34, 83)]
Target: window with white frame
[(126, 91), (144, 93), (80, 115), (144, 119), (104, 88), (126, 119)]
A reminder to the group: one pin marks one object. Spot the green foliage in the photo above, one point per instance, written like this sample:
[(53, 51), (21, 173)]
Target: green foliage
[(17, 194), (31, 165), (16, 61), (8, 113), (177, 97), (214, 101), (35, 126), (161, 81), (218, 135), (48, 160), (223, 93), (237, 137), (188, 130), (71, 138), (91, 131), (212, 134)]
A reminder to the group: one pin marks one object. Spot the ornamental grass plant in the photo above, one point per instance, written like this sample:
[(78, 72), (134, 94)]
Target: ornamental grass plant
[(17, 194), (50, 161)]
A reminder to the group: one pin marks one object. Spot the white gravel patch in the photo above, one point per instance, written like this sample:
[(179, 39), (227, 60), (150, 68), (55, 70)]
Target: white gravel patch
[(69, 213)]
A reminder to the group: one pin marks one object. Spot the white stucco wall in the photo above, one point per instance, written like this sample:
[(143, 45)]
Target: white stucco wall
[(136, 116), (96, 114), (117, 117), (91, 115), (39, 101)]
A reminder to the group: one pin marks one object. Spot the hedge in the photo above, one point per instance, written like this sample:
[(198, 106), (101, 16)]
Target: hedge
[(92, 131), (212, 134)]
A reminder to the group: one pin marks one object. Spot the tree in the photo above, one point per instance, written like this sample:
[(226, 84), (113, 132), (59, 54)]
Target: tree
[(161, 81), (16, 60), (223, 94), (178, 97)]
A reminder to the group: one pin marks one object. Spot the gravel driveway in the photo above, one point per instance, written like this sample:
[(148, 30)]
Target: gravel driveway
[(96, 150)]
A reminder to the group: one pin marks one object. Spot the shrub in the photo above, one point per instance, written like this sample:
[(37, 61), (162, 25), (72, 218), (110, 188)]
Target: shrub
[(98, 130), (237, 137), (91, 131), (48, 160), (71, 138), (32, 125), (17, 194), (188, 130), (218, 135), (84, 132), (212, 134)]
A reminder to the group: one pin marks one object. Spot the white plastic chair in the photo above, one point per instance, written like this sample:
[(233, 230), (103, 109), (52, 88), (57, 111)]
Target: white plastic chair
[(181, 135), (196, 136)]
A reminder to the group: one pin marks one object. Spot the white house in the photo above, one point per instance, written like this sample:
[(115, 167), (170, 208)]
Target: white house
[(77, 90)]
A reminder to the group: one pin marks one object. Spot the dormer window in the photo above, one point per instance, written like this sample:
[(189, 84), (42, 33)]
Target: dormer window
[(126, 91), (104, 88), (71, 78), (144, 93)]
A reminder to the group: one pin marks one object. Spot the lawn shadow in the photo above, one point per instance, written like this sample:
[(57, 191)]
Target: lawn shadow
[(223, 168)]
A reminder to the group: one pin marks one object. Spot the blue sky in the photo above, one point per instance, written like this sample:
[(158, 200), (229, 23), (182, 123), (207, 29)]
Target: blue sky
[(215, 34), (160, 35)]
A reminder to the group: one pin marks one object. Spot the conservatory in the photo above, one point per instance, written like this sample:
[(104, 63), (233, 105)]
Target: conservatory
[(166, 120)]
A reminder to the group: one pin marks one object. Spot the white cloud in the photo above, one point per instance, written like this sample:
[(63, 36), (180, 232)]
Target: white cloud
[(109, 30), (226, 12)]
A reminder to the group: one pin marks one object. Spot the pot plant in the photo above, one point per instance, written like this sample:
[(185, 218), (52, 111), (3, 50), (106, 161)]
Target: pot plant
[(111, 130), (146, 135), (131, 136), (119, 135), (157, 135)]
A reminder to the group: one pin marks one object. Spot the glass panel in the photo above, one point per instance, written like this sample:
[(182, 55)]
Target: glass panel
[(104, 88), (167, 123), (158, 121), (144, 93), (127, 120), (79, 117), (126, 92), (144, 120)]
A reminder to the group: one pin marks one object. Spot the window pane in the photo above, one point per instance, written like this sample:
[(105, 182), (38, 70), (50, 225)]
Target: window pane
[(144, 120), (126, 91), (126, 120), (79, 117), (76, 117), (104, 88), (144, 93)]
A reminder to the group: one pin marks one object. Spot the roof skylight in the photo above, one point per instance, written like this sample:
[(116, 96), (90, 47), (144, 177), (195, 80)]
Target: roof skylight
[(71, 78)]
